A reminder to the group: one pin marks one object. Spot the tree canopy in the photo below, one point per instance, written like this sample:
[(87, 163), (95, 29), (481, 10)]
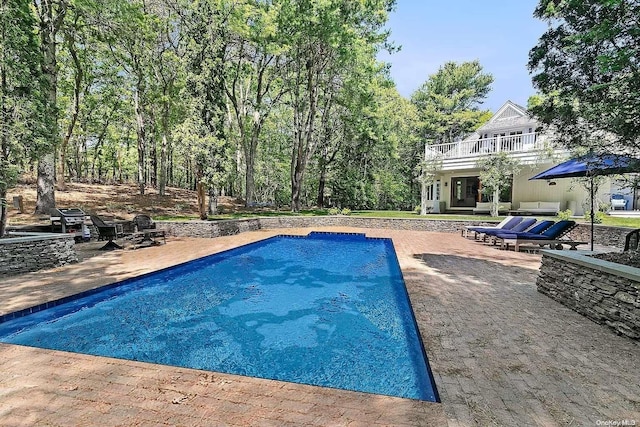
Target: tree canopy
[(587, 67), (281, 102), (449, 101)]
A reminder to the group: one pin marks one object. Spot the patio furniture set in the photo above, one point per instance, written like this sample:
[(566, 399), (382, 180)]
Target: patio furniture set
[(519, 232), (144, 233)]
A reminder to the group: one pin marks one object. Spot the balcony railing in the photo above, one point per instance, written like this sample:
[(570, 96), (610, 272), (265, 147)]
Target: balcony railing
[(481, 147)]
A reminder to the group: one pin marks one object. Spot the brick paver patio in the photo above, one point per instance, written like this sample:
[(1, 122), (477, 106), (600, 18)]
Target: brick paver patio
[(501, 353)]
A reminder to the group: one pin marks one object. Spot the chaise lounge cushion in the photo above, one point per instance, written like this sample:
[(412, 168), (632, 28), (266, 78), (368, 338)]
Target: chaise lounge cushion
[(556, 231), (548, 208), (528, 205), (486, 207)]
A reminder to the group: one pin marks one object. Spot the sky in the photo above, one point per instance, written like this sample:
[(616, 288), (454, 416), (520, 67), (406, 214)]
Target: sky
[(498, 33)]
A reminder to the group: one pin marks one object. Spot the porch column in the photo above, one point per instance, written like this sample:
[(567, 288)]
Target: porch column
[(436, 199)]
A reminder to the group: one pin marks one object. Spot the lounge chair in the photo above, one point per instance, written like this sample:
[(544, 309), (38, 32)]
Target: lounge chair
[(552, 236), (632, 241), (107, 231), (146, 229), (524, 225), (507, 224)]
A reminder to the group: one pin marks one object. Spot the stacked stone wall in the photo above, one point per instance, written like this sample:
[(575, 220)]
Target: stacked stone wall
[(235, 226), (605, 292), (602, 234), (23, 254)]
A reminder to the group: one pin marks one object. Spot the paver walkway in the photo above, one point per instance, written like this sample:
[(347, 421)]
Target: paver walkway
[(501, 353)]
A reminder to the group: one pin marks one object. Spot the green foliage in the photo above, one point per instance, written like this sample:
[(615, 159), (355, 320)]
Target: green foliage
[(214, 91), (333, 211), (565, 215), (496, 171), (448, 101), (345, 211), (597, 219), (586, 67), (23, 122)]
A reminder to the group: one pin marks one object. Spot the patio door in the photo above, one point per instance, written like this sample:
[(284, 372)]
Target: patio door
[(464, 191)]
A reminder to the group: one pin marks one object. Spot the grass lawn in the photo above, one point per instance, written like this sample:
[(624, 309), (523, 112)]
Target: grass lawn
[(607, 220)]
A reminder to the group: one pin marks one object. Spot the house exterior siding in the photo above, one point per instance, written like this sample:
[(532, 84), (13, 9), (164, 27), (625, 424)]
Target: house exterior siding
[(511, 130)]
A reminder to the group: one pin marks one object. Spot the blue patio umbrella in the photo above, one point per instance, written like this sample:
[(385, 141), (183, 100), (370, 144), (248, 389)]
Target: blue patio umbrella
[(589, 166)]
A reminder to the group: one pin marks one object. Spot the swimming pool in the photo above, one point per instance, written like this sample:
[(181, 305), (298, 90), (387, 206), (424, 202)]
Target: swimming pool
[(327, 309)]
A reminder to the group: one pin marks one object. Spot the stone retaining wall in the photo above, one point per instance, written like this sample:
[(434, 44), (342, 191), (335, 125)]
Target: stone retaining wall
[(605, 292), (604, 235), (208, 228), (25, 252), (235, 226)]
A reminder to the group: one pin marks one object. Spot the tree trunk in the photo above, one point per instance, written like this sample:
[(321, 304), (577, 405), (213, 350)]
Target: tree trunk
[(75, 111), (202, 199), (321, 185), (296, 179), (140, 130), (250, 185), (162, 176), (49, 25), (495, 202), (3, 210), (153, 152), (213, 201), (423, 197), (46, 200)]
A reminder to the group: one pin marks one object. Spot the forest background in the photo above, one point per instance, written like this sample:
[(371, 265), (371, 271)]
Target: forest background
[(279, 102)]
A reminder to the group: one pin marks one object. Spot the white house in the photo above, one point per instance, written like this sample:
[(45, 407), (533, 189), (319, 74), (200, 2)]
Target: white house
[(457, 186)]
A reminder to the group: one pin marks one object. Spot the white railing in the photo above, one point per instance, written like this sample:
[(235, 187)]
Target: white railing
[(482, 147)]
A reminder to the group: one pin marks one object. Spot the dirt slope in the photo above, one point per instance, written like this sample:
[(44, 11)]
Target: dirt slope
[(117, 201)]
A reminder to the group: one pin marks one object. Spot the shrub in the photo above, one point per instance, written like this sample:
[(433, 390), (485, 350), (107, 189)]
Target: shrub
[(346, 211), (599, 216), (334, 211), (564, 215)]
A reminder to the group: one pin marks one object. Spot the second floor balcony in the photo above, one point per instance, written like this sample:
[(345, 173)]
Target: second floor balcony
[(464, 154)]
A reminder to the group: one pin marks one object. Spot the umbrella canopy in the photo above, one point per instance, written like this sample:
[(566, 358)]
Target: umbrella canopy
[(592, 165)]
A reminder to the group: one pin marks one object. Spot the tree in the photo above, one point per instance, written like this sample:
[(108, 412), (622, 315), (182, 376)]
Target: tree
[(50, 16), (131, 33), (374, 164), (496, 171), (448, 102), (586, 65), (22, 95), (448, 106), (168, 71), (78, 63), (252, 81), (320, 38), (207, 40)]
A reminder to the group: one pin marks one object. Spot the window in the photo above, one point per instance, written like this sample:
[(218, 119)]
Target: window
[(430, 195)]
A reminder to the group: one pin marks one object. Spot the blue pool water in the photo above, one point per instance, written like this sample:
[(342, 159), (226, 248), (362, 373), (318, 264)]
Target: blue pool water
[(327, 309)]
